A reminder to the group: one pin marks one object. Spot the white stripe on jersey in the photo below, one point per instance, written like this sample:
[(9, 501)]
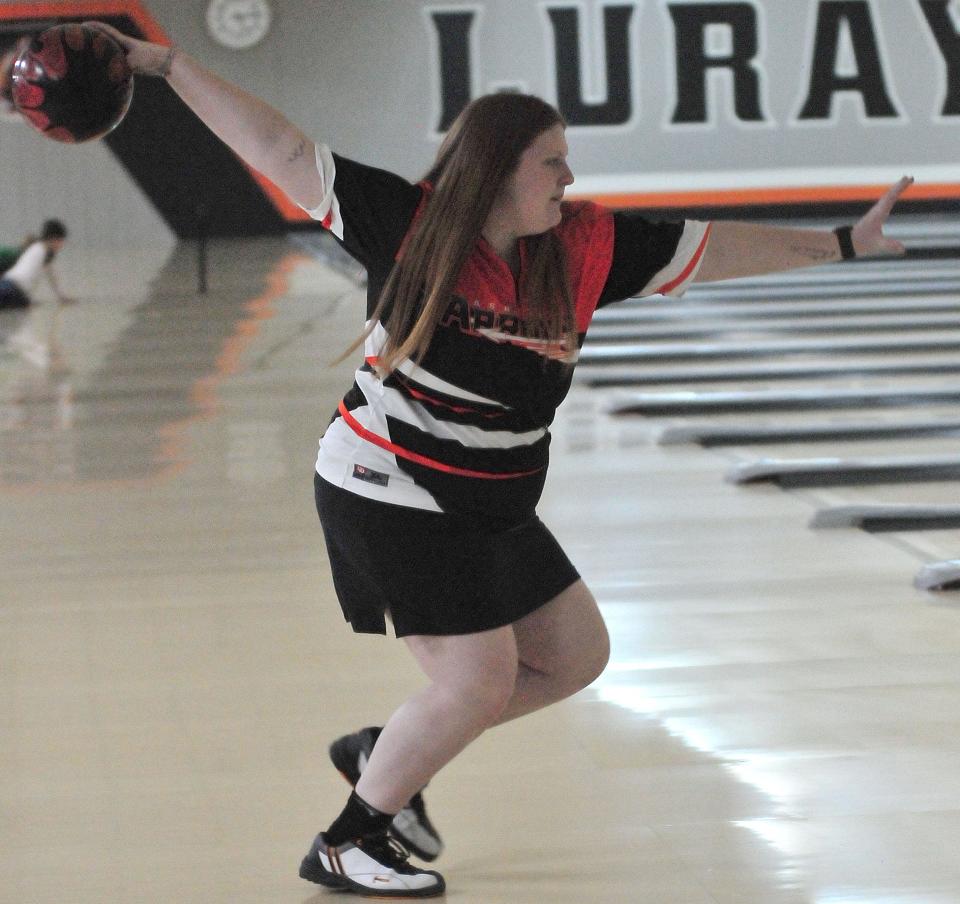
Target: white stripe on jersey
[(687, 247), (376, 341), (328, 210), (546, 347), (395, 404), (341, 451)]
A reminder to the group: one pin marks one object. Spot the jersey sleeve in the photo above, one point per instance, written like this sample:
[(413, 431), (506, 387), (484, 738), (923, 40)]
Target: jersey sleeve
[(367, 209), (653, 258)]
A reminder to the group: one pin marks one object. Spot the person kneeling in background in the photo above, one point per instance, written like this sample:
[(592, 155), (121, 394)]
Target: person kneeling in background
[(37, 256)]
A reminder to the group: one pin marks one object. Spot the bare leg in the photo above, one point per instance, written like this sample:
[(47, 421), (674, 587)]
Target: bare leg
[(472, 679), (477, 682), (562, 647)]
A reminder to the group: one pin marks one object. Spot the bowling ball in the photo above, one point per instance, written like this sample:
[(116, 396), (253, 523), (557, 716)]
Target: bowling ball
[(72, 83)]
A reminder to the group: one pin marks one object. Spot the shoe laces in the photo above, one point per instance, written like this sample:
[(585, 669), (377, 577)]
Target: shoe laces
[(386, 850)]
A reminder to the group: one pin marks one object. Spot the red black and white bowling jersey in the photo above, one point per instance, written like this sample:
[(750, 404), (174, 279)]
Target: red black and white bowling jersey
[(466, 430)]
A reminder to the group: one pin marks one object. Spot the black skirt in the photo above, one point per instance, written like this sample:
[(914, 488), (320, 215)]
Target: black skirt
[(433, 573)]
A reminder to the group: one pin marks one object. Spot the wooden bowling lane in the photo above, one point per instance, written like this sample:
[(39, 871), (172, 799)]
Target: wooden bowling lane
[(772, 373), (857, 633), (801, 428), (905, 556), (705, 328), (174, 663), (785, 320), (777, 724), (922, 517), (903, 343), (164, 595), (940, 551), (908, 393), (865, 279), (886, 517), (788, 654), (822, 414), (939, 575), (699, 305)]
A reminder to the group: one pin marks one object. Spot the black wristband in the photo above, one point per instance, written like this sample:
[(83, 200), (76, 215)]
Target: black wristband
[(844, 236)]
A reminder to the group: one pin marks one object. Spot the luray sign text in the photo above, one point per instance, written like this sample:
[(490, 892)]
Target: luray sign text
[(836, 22), (672, 104), (723, 95)]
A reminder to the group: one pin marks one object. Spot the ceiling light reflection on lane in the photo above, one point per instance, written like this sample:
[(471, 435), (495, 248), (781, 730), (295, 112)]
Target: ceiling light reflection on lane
[(749, 767), (853, 896)]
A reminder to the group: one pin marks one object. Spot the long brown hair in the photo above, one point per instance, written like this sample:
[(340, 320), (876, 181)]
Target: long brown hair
[(481, 150)]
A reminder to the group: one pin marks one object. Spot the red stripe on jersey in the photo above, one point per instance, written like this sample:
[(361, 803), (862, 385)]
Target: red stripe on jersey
[(667, 287), (457, 409), (423, 397), (400, 452), (374, 361)]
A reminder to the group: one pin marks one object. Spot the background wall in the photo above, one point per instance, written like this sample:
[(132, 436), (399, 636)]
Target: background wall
[(810, 101)]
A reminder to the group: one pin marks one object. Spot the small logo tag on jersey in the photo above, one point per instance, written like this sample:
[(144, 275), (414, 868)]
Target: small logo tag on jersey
[(370, 476)]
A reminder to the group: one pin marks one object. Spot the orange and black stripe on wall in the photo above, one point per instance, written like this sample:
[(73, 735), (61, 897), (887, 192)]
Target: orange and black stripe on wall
[(188, 175)]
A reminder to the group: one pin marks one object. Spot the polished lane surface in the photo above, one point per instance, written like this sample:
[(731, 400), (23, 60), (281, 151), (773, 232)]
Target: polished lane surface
[(778, 723)]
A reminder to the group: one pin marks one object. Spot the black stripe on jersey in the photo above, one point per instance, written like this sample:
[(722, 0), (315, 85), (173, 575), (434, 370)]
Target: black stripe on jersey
[(533, 386), (354, 399), (497, 503), (450, 408), (454, 453)]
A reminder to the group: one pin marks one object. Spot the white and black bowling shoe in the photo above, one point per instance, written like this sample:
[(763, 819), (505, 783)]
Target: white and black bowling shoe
[(374, 866), (411, 826)]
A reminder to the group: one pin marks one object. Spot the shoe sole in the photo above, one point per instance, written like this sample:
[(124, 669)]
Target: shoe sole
[(412, 846), (312, 870), (343, 755)]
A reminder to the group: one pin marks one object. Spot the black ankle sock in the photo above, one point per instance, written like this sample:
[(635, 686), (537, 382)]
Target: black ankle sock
[(357, 819)]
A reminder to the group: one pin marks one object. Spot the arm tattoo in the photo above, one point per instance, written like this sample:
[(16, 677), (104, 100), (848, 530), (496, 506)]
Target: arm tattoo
[(813, 254), (298, 151)]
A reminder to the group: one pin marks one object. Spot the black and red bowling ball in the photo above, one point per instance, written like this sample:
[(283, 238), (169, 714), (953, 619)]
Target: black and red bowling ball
[(72, 83)]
